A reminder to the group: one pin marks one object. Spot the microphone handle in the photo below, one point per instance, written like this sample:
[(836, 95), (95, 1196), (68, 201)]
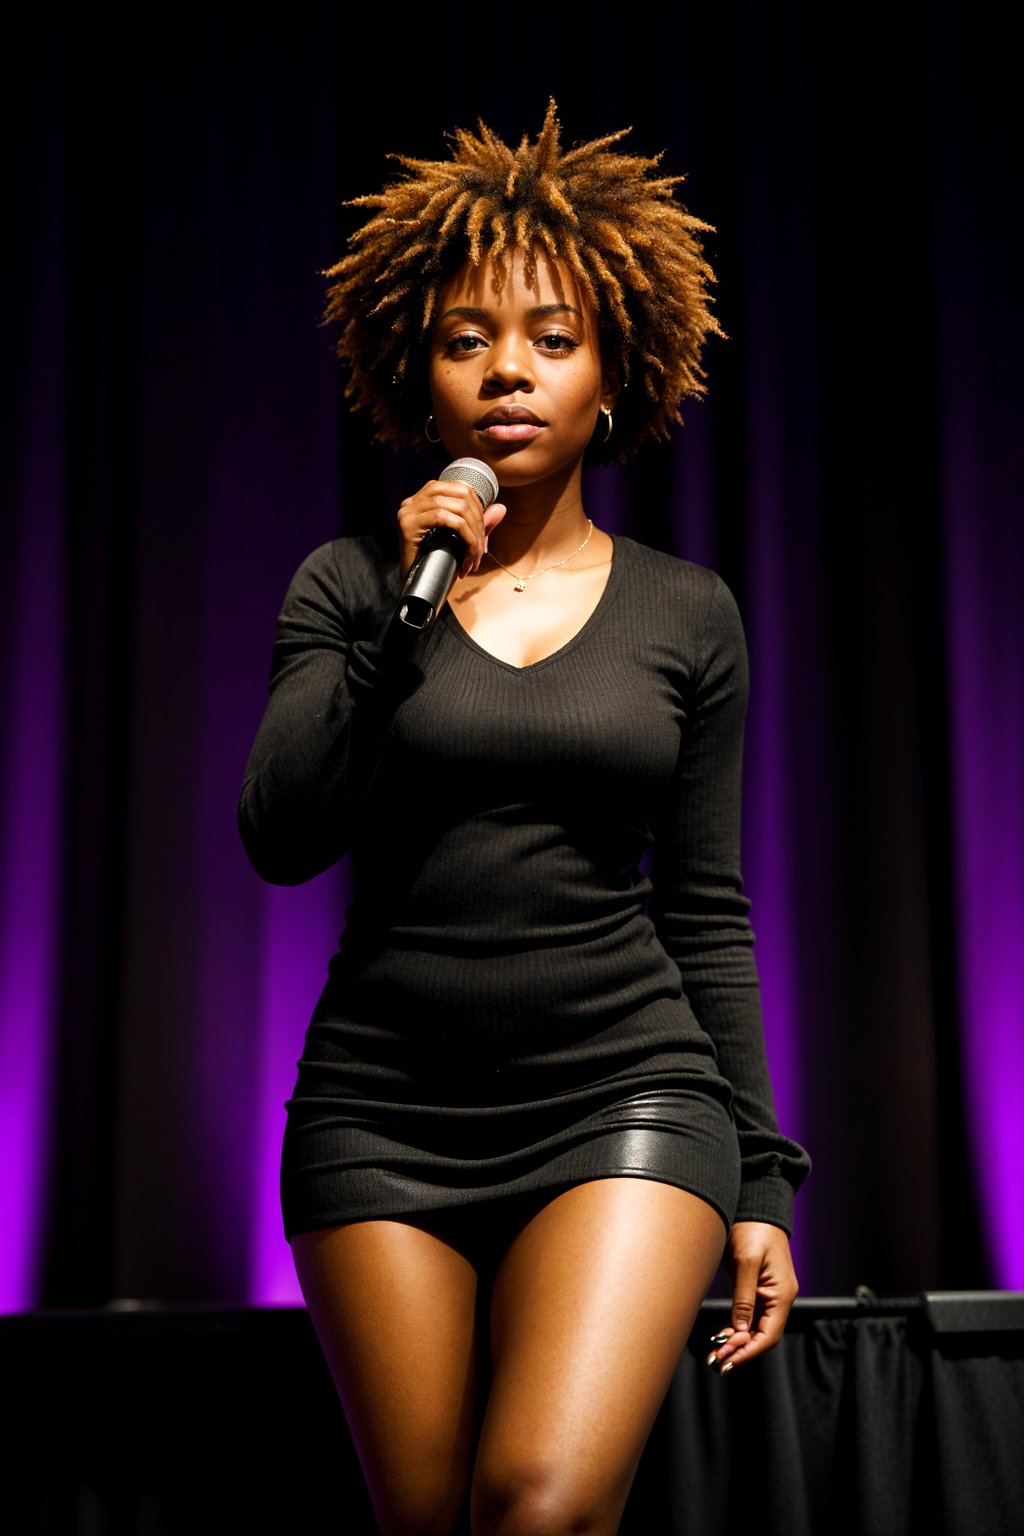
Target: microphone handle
[(430, 579)]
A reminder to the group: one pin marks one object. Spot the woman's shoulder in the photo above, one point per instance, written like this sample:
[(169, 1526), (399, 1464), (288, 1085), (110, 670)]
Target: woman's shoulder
[(702, 590), (354, 571), (686, 611)]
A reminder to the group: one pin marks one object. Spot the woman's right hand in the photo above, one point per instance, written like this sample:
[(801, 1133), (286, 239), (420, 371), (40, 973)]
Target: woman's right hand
[(446, 504)]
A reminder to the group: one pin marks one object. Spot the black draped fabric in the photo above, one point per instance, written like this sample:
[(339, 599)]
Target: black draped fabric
[(859, 1424)]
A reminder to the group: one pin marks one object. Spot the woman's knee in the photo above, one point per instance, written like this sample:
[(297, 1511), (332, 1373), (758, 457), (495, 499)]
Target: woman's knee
[(540, 1500)]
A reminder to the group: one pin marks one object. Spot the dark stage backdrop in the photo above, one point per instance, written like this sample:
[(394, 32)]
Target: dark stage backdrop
[(175, 442)]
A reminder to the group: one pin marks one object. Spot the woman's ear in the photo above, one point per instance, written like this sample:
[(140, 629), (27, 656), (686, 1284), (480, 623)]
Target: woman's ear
[(611, 385)]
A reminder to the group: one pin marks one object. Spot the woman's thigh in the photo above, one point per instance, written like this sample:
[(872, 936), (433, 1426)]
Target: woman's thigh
[(394, 1310), (591, 1309)]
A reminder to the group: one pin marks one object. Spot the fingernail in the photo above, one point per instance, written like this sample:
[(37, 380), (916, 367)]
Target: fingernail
[(727, 1367), (714, 1363), (719, 1338)]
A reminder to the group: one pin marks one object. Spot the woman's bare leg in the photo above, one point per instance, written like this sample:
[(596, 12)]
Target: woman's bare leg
[(592, 1306), (393, 1307)]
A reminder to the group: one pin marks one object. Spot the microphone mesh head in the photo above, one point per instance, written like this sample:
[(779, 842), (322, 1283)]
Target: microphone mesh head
[(474, 473)]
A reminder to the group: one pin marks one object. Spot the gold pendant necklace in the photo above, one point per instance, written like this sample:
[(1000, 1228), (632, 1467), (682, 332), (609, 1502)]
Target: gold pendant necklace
[(521, 581)]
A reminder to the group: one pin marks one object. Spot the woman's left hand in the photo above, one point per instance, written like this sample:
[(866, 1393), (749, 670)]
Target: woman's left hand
[(764, 1287)]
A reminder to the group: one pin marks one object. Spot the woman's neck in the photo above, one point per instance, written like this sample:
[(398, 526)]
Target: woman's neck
[(539, 526)]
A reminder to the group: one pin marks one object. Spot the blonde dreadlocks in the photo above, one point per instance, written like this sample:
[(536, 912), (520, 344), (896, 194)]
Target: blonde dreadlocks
[(630, 244)]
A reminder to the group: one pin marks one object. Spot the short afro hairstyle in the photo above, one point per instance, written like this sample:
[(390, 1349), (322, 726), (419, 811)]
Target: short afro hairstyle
[(632, 246)]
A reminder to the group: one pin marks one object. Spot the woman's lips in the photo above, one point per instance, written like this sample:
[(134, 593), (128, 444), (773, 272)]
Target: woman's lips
[(509, 424), (511, 431)]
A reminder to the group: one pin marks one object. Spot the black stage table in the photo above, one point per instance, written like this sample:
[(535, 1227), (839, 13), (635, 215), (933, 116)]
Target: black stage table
[(889, 1417)]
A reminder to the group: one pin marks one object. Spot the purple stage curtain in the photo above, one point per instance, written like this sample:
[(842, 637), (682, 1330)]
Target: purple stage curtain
[(176, 441)]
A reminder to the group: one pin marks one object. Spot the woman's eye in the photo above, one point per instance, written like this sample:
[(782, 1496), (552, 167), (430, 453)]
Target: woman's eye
[(465, 343), (556, 342)]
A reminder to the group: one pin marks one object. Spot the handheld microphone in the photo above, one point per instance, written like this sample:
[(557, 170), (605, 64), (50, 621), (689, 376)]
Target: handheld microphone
[(441, 553)]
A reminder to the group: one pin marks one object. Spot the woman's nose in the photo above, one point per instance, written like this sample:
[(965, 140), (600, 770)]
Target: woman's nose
[(509, 365)]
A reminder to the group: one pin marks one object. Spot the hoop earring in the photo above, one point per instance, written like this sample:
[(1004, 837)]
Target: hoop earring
[(426, 431), (606, 413)]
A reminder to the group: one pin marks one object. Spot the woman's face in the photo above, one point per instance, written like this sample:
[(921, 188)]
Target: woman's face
[(516, 375)]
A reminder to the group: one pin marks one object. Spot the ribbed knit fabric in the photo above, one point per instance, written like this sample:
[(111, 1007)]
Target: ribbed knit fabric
[(514, 995)]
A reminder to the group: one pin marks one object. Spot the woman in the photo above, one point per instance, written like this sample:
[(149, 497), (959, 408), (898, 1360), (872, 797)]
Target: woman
[(532, 1111)]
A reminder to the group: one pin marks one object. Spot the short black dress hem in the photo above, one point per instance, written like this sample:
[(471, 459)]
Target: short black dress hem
[(337, 1171)]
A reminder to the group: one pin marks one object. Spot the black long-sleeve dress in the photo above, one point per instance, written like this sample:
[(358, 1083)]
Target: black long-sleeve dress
[(546, 974)]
